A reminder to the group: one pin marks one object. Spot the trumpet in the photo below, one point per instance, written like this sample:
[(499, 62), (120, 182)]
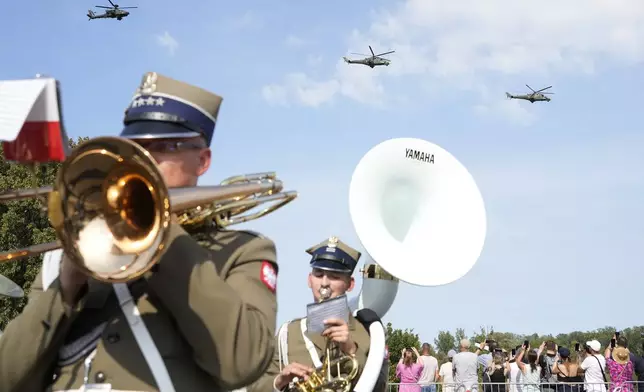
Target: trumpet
[(335, 375), (111, 209)]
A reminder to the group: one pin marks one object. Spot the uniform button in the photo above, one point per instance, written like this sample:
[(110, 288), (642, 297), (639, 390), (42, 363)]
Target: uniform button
[(100, 377), (113, 338), (56, 375)]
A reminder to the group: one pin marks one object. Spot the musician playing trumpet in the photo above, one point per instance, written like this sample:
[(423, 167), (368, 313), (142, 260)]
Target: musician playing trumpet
[(202, 319), (301, 351)]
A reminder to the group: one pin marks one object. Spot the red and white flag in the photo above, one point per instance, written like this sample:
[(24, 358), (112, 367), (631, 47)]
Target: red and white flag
[(30, 121)]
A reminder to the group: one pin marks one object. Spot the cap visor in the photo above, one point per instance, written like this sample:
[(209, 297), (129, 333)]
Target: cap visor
[(328, 265), (156, 130)]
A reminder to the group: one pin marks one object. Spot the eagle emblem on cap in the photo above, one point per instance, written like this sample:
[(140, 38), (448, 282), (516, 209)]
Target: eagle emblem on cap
[(333, 242), (148, 84)]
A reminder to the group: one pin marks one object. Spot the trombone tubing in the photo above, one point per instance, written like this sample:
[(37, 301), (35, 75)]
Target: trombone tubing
[(181, 199)]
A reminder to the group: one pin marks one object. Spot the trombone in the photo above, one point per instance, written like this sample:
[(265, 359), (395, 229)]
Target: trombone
[(111, 209)]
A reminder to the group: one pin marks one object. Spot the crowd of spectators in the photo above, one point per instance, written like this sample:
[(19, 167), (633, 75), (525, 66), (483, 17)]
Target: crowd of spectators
[(547, 368)]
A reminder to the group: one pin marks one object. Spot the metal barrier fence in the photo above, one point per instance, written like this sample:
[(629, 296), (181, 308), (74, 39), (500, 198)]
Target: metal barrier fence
[(630, 386)]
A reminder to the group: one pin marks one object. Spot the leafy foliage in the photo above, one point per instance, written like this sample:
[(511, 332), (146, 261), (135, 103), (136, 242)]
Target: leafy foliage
[(445, 341), (23, 223)]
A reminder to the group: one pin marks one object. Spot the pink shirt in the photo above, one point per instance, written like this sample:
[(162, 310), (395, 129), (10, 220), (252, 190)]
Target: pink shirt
[(409, 375)]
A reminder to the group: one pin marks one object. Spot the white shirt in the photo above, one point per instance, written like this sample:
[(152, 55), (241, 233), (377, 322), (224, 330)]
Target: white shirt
[(594, 374), (515, 378), (445, 372), (428, 375)]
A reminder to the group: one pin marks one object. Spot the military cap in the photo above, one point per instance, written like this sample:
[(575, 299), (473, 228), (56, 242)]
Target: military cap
[(165, 108), (334, 255)]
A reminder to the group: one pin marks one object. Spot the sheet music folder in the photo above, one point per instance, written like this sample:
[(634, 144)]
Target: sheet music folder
[(316, 313)]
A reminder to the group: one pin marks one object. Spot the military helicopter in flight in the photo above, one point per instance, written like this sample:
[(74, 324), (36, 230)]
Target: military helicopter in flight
[(113, 12), (371, 61), (535, 96)]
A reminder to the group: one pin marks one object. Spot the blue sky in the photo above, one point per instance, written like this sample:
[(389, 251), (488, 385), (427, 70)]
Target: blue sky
[(561, 181)]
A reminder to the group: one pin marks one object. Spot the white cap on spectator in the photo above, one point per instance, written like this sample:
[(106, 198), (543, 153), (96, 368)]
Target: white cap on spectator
[(451, 353), (594, 345)]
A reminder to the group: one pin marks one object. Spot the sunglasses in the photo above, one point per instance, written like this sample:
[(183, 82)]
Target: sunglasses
[(170, 145)]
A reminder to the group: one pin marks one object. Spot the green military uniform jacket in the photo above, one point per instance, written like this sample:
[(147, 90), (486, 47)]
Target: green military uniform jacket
[(297, 352), (209, 307)]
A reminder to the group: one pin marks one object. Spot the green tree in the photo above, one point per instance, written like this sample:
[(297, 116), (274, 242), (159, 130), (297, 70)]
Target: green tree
[(444, 342), (23, 223), (459, 335), (397, 340)]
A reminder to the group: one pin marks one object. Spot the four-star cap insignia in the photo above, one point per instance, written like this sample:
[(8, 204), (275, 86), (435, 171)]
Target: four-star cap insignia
[(149, 101)]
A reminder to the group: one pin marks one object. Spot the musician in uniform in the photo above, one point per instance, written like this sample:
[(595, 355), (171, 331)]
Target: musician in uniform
[(300, 351), (203, 319)]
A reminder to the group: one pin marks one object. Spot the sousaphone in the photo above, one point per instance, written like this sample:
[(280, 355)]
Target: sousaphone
[(420, 218)]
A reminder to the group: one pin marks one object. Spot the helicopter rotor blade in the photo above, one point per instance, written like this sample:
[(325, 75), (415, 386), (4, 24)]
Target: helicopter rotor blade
[(382, 54), (125, 8), (546, 93), (113, 5), (102, 6), (361, 54), (530, 88), (372, 53), (543, 89)]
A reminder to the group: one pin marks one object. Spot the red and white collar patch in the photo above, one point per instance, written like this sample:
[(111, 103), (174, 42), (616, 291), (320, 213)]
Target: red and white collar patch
[(268, 276)]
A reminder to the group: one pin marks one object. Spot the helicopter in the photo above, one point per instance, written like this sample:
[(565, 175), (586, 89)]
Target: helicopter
[(113, 12), (371, 61), (535, 96)]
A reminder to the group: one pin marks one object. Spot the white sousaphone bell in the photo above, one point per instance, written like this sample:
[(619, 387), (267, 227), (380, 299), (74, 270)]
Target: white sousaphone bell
[(420, 218)]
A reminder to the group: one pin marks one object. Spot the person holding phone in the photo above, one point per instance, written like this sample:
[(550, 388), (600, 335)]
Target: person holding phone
[(531, 372), (409, 369), (513, 373), (620, 367), (638, 361), (568, 374)]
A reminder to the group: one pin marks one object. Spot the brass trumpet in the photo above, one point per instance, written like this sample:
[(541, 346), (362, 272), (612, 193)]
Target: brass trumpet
[(111, 209), (335, 375)]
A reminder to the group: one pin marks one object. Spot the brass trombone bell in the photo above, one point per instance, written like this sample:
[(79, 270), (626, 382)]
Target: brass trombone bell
[(111, 209)]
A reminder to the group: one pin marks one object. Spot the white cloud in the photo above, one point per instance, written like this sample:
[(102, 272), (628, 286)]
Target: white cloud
[(313, 61), (295, 41), (350, 82), (299, 87), (168, 42), (247, 21), (461, 44)]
